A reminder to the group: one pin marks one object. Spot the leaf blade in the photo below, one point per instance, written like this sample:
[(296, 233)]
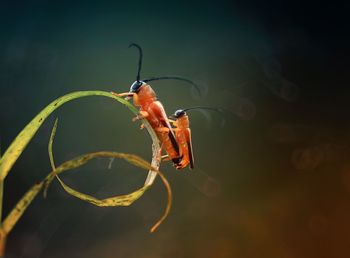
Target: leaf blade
[(21, 141)]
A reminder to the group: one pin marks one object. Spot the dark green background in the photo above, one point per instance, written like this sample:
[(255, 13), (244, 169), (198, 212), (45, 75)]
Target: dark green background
[(272, 181)]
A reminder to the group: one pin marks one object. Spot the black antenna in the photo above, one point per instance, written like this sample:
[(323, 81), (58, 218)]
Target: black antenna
[(174, 78), (140, 60), (181, 112), (220, 110), (201, 107)]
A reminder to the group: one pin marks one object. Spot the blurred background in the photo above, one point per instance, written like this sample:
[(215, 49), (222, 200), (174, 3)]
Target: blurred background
[(272, 175)]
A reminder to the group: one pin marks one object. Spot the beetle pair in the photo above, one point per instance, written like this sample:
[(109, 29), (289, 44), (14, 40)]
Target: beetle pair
[(174, 134)]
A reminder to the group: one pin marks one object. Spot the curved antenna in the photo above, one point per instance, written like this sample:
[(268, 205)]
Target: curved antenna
[(203, 107), (140, 60), (174, 78), (219, 110), (197, 108)]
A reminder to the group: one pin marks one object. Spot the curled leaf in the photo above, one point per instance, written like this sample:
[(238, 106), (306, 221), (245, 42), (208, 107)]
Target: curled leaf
[(20, 207), (18, 145), (23, 138), (120, 200)]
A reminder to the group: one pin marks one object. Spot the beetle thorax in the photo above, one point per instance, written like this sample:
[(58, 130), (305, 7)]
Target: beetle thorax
[(183, 122), (144, 96)]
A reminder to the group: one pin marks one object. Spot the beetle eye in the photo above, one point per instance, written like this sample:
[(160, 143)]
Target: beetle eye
[(135, 87)]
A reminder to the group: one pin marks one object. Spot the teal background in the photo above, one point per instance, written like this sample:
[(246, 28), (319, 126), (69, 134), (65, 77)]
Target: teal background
[(272, 175)]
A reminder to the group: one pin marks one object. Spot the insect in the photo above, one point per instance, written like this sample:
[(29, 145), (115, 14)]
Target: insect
[(182, 130), (153, 111)]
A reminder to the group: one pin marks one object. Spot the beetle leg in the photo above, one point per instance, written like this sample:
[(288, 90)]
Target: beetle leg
[(127, 94), (162, 129), (141, 115), (183, 163), (173, 124), (165, 158)]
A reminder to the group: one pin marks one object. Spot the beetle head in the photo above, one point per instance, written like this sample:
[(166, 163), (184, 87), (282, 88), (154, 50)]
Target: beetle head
[(135, 87), (179, 113)]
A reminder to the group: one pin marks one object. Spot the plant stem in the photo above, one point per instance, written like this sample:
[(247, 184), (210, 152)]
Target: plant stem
[(2, 233), (1, 198), (18, 145), (3, 237), (1, 193)]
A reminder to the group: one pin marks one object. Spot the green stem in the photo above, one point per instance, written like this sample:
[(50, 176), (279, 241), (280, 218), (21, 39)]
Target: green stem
[(1, 193), (1, 197), (2, 233), (3, 238), (17, 146)]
